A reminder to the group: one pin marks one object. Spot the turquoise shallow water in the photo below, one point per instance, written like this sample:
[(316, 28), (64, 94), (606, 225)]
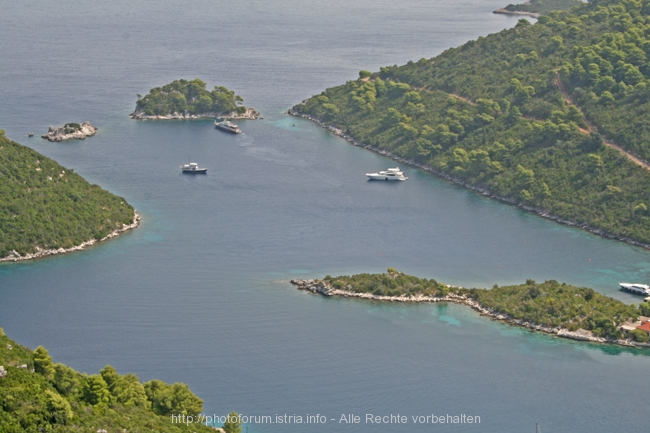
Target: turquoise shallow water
[(200, 294)]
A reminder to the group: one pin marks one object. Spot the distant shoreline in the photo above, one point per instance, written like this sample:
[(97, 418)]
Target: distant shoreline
[(15, 257), (505, 11), (320, 287)]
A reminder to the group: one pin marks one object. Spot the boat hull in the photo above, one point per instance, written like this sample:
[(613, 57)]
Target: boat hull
[(198, 171), (226, 129), (637, 289), (377, 176)]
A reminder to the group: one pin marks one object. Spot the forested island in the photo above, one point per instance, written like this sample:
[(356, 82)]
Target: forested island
[(48, 209), (38, 395), (556, 308), (536, 8), (183, 99), (552, 117)]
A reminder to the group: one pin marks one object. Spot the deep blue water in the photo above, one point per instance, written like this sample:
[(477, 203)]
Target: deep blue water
[(200, 294)]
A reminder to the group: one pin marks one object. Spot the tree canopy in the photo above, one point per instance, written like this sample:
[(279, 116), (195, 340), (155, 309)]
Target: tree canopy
[(233, 423), (183, 96), (38, 395)]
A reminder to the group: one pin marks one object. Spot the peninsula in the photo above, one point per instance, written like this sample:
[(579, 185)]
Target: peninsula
[(39, 395), (69, 131), (48, 209), (182, 99), (537, 8), (555, 308), (552, 117)]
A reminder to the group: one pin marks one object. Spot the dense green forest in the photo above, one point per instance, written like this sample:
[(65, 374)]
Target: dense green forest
[(38, 395), (550, 303), (182, 96), (543, 7), (491, 114), (44, 205)]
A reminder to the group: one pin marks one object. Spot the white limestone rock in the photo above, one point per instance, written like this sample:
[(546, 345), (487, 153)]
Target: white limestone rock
[(69, 131)]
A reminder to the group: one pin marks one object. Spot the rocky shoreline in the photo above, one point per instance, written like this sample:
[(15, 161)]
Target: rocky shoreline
[(505, 11), (320, 287), (483, 191), (14, 256), (69, 131), (249, 114)]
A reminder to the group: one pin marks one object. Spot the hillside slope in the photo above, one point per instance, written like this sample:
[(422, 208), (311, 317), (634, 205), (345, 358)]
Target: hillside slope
[(46, 206), (491, 115)]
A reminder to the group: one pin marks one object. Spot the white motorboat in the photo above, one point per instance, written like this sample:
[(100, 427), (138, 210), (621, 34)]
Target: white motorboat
[(637, 289), (193, 168), (227, 126), (388, 174)]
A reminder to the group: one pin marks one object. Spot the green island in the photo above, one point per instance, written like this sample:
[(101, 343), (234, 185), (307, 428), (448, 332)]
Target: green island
[(536, 8), (183, 99), (38, 395), (48, 209), (556, 308), (552, 116)]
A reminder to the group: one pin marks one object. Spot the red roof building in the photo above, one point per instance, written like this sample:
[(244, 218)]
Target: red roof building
[(645, 326)]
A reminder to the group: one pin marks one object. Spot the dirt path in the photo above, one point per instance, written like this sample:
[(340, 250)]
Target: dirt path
[(462, 98), (567, 98), (569, 101), (453, 95)]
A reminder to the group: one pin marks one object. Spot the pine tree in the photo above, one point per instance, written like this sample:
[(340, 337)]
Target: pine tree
[(233, 423)]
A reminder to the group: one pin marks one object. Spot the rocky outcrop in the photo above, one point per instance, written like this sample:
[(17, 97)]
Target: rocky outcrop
[(14, 256), (249, 114), (70, 130), (323, 288)]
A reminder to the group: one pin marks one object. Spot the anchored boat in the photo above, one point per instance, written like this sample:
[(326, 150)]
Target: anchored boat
[(637, 289), (227, 126), (389, 174), (193, 168)]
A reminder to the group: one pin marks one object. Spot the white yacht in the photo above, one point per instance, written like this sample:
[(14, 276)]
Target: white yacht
[(389, 174), (193, 168), (637, 289), (227, 126)]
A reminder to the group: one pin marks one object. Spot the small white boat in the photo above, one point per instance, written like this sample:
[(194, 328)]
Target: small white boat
[(637, 289), (193, 168), (388, 174), (227, 126)]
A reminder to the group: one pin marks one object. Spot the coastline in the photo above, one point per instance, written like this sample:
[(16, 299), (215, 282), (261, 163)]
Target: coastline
[(249, 114), (320, 287), (505, 11), (483, 191), (40, 253)]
